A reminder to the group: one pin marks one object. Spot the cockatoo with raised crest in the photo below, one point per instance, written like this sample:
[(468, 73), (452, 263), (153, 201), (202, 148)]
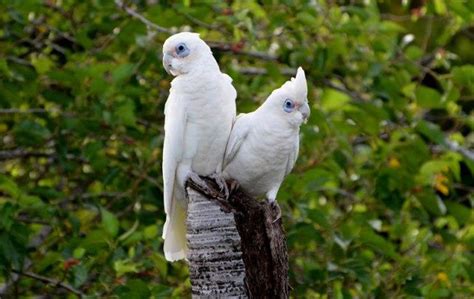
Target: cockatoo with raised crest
[(199, 114), (263, 145)]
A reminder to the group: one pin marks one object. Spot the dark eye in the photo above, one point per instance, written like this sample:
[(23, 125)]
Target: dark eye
[(288, 105), (182, 50)]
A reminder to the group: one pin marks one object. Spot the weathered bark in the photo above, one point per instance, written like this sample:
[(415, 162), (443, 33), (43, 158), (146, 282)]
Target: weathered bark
[(215, 263), (236, 249)]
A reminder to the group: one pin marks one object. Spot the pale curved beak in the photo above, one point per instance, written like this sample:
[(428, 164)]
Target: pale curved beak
[(167, 58), (305, 111)]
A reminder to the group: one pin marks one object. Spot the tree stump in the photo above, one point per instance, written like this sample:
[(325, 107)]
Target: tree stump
[(236, 250), (215, 261)]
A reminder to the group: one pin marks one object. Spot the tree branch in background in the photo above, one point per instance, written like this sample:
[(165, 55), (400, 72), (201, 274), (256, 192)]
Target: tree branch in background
[(219, 46), (197, 21), (18, 111), (356, 97), (255, 71), (288, 71), (21, 153), (120, 4), (459, 149), (226, 47), (54, 282), (35, 242)]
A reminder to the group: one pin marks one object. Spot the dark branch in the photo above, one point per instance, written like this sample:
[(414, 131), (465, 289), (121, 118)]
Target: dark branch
[(18, 111), (54, 282), (21, 153), (25, 219), (357, 97), (104, 194), (226, 47), (19, 60), (459, 149), (218, 46), (197, 21), (343, 88), (141, 18), (287, 71), (252, 71)]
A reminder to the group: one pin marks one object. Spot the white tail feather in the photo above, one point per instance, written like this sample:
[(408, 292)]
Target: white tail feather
[(174, 234)]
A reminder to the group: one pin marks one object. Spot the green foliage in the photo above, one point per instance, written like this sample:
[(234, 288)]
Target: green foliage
[(379, 204)]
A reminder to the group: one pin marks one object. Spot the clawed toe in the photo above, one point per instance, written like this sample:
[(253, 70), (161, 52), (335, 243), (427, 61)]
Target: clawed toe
[(278, 216), (233, 186), (276, 207), (199, 182), (221, 183)]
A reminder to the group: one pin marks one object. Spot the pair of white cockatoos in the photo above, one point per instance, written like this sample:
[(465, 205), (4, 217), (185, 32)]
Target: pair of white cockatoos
[(204, 137)]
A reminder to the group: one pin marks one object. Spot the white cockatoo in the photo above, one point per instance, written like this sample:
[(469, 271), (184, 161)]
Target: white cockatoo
[(199, 114), (263, 145)]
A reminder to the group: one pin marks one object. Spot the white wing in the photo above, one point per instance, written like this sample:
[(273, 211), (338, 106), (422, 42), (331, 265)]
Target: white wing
[(175, 124), (239, 133), (292, 158), (174, 230)]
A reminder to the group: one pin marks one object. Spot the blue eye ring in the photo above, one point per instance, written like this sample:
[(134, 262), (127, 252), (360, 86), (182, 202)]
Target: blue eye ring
[(182, 50), (288, 105)]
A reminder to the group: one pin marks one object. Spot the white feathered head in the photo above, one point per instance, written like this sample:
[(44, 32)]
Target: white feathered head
[(186, 52), (290, 101)]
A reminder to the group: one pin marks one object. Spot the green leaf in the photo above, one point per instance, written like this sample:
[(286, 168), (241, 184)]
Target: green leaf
[(122, 72), (4, 67), (7, 212), (80, 275), (462, 213), (30, 201), (94, 152), (109, 222), (160, 263), (428, 97), (134, 289), (42, 63), (125, 112), (319, 217), (378, 243), (333, 100), (30, 133), (306, 18), (95, 241), (151, 231), (12, 250), (433, 204), (79, 252), (161, 291), (125, 266), (464, 76), (440, 6), (9, 186), (431, 131)]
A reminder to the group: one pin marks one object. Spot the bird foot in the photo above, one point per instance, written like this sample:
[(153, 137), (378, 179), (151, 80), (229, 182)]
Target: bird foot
[(221, 183), (200, 183), (274, 205), (233, 185)]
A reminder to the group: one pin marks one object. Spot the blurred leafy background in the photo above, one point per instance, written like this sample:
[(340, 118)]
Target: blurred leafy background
[(378, 206)]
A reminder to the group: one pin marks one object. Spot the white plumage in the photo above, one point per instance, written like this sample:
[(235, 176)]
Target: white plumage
[(198, 119), (263, 145)]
